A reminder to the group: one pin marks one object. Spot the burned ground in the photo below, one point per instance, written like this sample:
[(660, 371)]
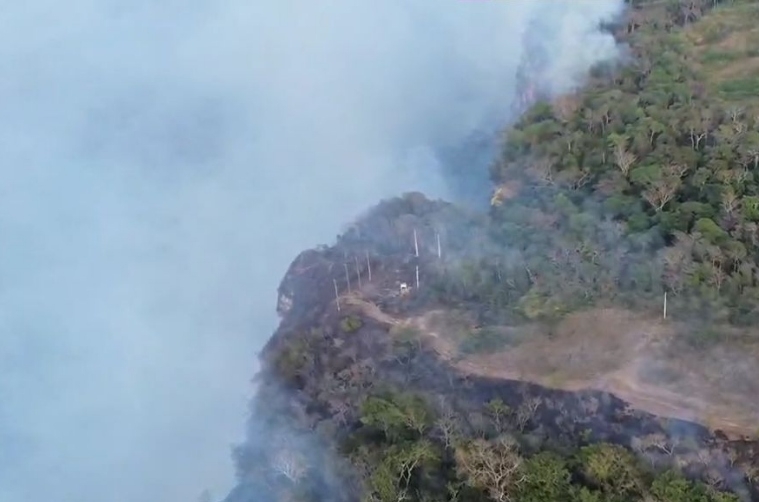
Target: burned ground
[(428, 339), (595, 376)]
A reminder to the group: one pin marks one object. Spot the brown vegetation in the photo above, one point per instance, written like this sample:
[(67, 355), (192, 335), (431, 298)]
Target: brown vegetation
[(611, 350)]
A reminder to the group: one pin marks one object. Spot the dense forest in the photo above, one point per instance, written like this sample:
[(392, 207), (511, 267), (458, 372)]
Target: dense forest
[(645, 180), (642, 183)]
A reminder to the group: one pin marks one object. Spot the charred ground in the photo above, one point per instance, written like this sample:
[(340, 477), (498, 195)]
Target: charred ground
[(382, 375), (523, 355)]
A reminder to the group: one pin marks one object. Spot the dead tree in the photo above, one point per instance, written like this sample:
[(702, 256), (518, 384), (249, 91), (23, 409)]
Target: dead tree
[(525, 412), (493, 467), (289, 464), (660, 192), (624, 159)]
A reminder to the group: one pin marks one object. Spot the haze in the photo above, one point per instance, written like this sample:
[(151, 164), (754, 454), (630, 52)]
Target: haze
[(160, 165)]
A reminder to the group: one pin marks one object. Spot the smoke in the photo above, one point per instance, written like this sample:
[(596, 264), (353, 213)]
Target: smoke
[(161, 164)]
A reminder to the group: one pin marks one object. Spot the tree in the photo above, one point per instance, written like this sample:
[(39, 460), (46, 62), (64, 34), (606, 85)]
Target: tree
[(623, 158), (661, 442), (400, 415), (546, 479), (498, 412), (391, 480), (492, 466), (290, 464), (669, 487), (384, 415), (542, 170), (526, 412), (611, 468), (448, 428), (659, 192)]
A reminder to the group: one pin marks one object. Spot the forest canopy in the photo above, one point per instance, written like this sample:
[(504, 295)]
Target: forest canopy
[(646, 180), (643, 184)]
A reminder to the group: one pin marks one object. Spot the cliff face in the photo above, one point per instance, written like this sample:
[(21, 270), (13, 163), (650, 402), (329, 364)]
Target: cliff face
[(355, 327)]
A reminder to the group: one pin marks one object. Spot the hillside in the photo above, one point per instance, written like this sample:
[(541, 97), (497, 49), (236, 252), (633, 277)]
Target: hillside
[(591, 338)]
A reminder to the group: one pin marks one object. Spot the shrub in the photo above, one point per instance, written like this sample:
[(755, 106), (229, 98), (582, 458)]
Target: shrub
[(351, 324)]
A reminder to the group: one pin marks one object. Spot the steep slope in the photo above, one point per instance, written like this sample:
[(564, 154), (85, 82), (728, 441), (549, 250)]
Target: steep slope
[(365, 377), (591, 338)]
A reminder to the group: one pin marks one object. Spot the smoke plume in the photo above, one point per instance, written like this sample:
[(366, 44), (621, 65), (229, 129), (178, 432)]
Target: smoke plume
[(161, 164)]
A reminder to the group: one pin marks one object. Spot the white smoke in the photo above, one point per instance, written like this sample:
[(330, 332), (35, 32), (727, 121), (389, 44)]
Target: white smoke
[(162, 162)]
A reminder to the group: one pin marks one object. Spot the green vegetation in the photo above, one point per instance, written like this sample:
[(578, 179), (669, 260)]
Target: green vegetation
[(412, 453), (291, 360), (644, 182), (350, 324)]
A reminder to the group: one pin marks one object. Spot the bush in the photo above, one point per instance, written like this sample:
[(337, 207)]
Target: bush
[(351, 324)]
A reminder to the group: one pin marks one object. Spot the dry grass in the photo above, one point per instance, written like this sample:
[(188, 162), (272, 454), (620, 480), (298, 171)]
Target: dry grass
[(638, 359), (641, 360), (724, 49), (581, 347)]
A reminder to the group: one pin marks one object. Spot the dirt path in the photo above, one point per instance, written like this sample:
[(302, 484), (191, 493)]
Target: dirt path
[(371, 310), (623, 381)]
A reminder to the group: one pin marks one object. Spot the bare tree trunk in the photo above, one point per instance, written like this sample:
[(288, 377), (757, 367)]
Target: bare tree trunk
[(358, 272), (347, 277), (337, 295)]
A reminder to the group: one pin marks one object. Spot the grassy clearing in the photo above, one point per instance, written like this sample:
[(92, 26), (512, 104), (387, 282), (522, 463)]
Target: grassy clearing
[(724, 49), (667, 368), (740, 89)]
